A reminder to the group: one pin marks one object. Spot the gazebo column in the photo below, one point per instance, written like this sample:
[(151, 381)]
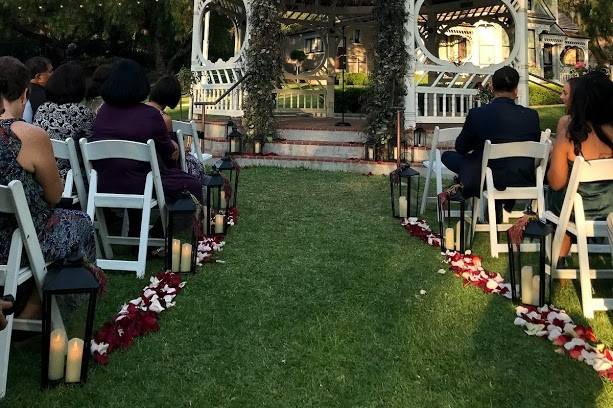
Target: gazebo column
[(410, 100), (205, 35), (331, 78), (522, 58), (555, 61)]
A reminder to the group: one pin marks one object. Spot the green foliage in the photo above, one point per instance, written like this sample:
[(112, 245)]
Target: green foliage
[(355, 78), (297, 55), (596, 17), (387, 80), (550, 115), (264, 68), (541, 96), (354, 100), (187, 78), (155, 32)]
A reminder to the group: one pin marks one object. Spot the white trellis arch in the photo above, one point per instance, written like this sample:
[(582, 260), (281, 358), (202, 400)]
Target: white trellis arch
[(219, 76), (450, 94)]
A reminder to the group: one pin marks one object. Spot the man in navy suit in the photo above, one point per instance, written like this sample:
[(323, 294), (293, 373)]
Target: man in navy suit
[(500, 121)]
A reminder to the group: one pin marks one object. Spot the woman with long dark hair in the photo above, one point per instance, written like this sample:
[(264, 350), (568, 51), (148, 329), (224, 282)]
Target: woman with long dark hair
[(588, 132)]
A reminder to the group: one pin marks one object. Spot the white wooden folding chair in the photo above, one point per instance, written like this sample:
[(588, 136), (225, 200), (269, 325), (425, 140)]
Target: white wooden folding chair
[(435, 165), (120, 149), (187, 135), (610, 224), (535, 150), (66, 149), (546, 136), (13, 203), (583, 172)]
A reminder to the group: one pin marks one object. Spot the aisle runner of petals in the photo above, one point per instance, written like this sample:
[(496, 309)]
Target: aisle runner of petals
[(140, 316), (547, 322)]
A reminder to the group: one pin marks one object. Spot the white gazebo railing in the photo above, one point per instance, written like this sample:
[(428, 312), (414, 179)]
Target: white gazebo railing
[(311, 101)]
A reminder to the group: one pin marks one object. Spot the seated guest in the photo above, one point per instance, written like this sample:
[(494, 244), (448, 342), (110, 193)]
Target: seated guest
[(40, 71), (26, 155), (63, 116), (93, 100), (500, 121), (124, 117), (567, 93), (586, 132), (167, 93)]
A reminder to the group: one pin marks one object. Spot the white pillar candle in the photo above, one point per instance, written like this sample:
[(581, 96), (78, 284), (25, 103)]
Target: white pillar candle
[(57, 354), (176, 255), (536, 289), (73, 360), (395, 153), (458, 235), (222, 202), (371, 153), (186, 258), (219, 223), (449, 238), (526, 285), (258, 147), (402, 207), (232, 146)]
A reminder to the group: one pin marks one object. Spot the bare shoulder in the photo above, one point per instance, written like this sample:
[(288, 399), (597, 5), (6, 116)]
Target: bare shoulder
[(29, 133)]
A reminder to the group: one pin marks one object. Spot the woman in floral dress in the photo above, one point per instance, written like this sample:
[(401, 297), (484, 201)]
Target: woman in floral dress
[(26, 155)]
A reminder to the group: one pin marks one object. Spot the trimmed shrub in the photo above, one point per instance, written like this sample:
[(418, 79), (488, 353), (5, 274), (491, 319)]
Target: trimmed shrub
[(541, 96), (354, 100)]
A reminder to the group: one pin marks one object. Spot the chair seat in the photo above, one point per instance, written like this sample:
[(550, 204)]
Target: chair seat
[(516, 193), (108, 200)]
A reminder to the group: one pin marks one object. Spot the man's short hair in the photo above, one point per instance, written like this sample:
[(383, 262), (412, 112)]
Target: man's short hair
[(505, 79), (37, 65)]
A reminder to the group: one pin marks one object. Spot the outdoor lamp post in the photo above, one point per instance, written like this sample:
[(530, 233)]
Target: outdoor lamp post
[(63, 359), (452, 224), (230, 171), (215, 210), (182, 236), (527, 273), (401, 181)]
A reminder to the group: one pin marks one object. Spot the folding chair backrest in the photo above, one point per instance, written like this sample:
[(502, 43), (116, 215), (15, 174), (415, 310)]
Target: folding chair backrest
[(545, 135), (13, 202), (66, 149), (122, 149), (445, 136), (187, 130)]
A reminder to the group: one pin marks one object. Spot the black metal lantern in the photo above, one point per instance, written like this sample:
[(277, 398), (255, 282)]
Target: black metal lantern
[(235, 138), (396, 152), (452, 223), (230, 170), (527, 273), (258, 145), (401, 181), (215, 221), (182, 236), (419, 152), (65, 360)]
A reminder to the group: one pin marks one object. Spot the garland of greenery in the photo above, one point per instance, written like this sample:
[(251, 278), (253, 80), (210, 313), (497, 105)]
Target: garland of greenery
[(263, 61), (387, 80)]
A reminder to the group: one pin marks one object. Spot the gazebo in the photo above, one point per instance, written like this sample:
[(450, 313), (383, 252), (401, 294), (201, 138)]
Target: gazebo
[(455, 46)]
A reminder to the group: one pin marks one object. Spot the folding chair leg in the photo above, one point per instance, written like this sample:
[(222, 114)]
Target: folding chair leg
[(104, 233), (144, 239), (475, 214), (584, 276), (424, 197), (491, 209)]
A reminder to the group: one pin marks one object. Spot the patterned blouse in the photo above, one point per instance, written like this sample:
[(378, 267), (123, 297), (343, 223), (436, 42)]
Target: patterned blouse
[(66, 120)]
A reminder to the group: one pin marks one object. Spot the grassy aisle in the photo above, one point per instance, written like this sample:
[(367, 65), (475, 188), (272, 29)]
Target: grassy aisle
[(318, 305)]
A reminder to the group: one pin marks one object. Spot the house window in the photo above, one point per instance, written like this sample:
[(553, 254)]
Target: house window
[(313, 45), (531, 49), (573, 56), (357, 36)]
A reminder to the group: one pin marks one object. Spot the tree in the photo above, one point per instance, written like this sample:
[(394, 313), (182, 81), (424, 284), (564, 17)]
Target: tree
[(155, 32), (596, 21)]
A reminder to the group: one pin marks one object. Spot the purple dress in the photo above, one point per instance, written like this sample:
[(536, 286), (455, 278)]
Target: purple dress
[(138, 123)]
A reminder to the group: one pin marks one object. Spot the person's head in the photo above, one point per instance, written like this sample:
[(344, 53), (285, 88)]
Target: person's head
[(126, 85), (567, 92), (166, 92), (14, 83), (40, 70), (504, 82), (98, 78), (591, 109), (67, 84)]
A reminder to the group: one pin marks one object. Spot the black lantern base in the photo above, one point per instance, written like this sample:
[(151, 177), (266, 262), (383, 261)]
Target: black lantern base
[(444, 216), (403, 174)]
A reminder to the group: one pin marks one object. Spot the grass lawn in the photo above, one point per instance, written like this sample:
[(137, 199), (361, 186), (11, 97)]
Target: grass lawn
[(549, 116), (318, 305)]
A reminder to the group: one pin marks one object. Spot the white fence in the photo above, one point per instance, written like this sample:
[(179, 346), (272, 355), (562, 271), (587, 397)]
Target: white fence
[(312, 101)]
